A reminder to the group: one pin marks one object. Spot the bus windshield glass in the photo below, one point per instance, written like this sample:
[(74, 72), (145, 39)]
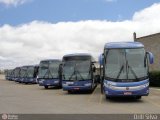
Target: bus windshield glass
[(30, 72), (75, 68), (23, 72), (17, 72), (125, 65), (49, 69)]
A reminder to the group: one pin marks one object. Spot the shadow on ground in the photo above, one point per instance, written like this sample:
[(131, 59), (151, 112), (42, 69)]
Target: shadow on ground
[(124, 100)]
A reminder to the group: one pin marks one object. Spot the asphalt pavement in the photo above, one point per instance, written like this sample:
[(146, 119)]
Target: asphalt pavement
[(26, 99)]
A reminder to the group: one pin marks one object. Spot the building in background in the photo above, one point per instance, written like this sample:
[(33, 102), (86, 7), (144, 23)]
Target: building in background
[(1, 71), (152, 44)]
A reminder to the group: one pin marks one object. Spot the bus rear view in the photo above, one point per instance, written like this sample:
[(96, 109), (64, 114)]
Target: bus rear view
[(78, 72), (125, 69)]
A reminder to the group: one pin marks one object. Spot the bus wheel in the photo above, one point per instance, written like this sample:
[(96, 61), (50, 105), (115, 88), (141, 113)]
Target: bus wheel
[(138, 97), (46, 87), (90, 91), (70, 91), (107, 97)]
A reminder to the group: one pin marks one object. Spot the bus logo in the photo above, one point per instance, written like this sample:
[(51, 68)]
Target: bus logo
[(127, 88), (4, 116)]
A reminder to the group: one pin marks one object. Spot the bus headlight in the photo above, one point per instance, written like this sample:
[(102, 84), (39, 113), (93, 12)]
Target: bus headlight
[(109, 86), (145, 85), (56, 81), (65, 85), (41, 81), (105, 85), (87, 84)]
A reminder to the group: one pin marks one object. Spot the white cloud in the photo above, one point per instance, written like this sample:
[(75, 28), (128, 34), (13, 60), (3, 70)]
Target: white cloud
[(13, 2), (29, 43)]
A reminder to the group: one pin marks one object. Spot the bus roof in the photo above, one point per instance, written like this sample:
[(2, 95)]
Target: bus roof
[(26, 66), (50, 60), (77, 54), (118, 45), (17, 67)]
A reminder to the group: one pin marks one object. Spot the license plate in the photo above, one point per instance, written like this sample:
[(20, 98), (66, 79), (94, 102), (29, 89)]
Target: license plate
[(76, 88), (69, 82), (127, 93), (40, 81)]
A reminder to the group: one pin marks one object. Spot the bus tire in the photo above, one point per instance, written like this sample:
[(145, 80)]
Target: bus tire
[(46, 87), (90, 91), (69, 91), (107, 97), (138, 97)]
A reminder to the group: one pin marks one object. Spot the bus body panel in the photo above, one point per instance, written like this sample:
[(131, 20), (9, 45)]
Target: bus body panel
[(29, 80), (49, 82), (81, 84), (112, 87), (126, 89), (27, 76), (42, 81), (77, 85), (122, 45)]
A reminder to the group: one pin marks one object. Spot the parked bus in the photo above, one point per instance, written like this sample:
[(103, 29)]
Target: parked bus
[(125, 69), (49, 74), (31, 74), (78, 72), (17, 74), (11, 77), (23, 74), (7, 74)]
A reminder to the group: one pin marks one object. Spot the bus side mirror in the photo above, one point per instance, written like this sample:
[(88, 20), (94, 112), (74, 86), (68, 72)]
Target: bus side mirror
[(93, 62), (94, 69), (150, 57), (101, 59), (60, 69)]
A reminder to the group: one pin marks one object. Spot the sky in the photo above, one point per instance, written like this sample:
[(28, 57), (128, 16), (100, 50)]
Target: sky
[(33, 30)]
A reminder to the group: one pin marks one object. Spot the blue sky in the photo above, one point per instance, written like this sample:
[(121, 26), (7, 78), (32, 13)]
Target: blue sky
[(33, 30), (71, 10)]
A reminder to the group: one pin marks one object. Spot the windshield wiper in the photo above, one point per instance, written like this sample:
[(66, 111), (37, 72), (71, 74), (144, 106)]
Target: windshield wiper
[(74, 72), (25, 74), (71, 75), (122, 67), (50, 73), (79, 74), (133, 72), (47, 73)]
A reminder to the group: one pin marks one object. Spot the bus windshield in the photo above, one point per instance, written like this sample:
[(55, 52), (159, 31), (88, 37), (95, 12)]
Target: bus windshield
[(49, 69), (23, 72), (17, 72), (76, 70), (126, 65), (30, 72)]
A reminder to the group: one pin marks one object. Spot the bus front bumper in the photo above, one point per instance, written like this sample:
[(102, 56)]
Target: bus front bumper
[(122, 90), (48, 82), (142, 92), (29, 80), (77, 85)]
